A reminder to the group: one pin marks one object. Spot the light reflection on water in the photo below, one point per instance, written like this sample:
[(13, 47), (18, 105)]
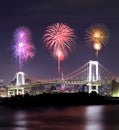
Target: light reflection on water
[(59, 118), (94, 118), (20, 120)]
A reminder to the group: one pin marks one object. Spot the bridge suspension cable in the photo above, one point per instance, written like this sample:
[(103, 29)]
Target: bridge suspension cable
[(83, 73), (105, 73), (77, 73)]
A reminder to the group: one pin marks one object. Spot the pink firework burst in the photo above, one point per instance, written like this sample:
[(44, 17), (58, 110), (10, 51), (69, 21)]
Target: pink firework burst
[(23, 47), (59, 39)]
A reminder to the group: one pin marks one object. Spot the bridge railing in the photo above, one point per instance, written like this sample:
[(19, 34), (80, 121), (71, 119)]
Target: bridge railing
[(67, 82)]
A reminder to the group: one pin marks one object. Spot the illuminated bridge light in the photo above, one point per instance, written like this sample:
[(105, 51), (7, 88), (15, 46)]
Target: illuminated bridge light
[(91, 74)]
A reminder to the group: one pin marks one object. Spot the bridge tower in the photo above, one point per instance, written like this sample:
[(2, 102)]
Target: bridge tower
[(18, 80), (93, 76)]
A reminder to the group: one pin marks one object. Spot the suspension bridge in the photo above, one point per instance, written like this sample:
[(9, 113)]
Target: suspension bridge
[(92, 74)]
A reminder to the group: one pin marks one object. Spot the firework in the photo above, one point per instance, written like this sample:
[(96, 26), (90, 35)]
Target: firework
[(23, 47), (59, 39), (97, 35)]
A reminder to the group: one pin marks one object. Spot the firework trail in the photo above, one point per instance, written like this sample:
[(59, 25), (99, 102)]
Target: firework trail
[(23, 48), (59, 38), (97, 35)]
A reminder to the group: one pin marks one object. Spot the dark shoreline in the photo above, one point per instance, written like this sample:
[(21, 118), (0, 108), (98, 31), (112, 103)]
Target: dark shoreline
[(59, 99)]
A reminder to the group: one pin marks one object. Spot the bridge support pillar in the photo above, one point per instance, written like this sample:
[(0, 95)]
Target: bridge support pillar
[(93, 87), (20, 91), (15, 91)]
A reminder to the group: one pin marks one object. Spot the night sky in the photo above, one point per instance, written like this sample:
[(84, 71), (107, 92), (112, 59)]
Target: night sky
[(38, 14)]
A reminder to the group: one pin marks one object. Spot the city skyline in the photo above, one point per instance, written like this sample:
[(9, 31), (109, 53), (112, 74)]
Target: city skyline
[(37, 15)]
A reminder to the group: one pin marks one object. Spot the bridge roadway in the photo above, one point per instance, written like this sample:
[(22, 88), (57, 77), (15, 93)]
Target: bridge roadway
[(66, 82)]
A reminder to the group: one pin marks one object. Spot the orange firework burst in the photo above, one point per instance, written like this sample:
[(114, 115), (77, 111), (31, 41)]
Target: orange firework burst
[(59, 39), (97, 35)]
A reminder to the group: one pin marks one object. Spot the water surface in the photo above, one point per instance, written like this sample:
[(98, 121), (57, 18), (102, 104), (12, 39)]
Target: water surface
[(100, 117)]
